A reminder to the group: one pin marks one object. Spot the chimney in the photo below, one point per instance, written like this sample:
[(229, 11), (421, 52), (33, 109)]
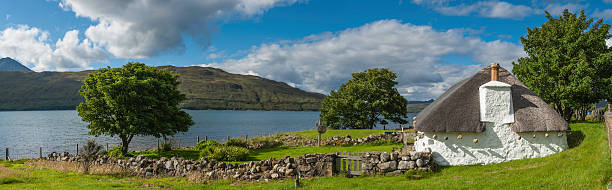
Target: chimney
[(496, 100), (495, 72)]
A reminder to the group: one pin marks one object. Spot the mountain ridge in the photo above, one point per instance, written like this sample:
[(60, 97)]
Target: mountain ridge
[(204, 87), (8, 64)]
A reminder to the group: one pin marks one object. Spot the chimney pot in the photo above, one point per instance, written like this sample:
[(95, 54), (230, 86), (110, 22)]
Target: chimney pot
[(494, 72)]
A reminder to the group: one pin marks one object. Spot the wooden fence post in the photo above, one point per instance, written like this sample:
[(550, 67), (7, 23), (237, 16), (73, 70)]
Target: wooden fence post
[(206, 138), (40, 152), (608, 118), (228, 138), (6, 157), (77, 149), (198, 139)]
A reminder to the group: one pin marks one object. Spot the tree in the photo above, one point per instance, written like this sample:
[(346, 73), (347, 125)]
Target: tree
[(89, 154), (360, 102), (568, 63), (133, 100)]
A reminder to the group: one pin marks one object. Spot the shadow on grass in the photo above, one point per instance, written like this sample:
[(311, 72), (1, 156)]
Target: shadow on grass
[(574, 138)]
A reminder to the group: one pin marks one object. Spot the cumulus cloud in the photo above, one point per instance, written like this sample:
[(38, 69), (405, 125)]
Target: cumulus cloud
[(322, 62), (557, 9), (31, 46), (140, 29), (609, 42)]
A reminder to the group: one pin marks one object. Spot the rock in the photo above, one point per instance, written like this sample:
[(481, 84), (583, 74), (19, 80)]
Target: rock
[(403, 165), (420, 163), (169, 165), (304, 168), (289, 172), (405, 158), (387, 166), (384, 157), (394, 156), (415, 155), (396, 173), (274, 176)]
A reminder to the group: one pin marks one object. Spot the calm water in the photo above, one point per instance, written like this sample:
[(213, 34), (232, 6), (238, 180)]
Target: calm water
[(24, 132)]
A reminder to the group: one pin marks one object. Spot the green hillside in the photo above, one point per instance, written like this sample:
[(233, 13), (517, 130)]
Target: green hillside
[(206, 88)]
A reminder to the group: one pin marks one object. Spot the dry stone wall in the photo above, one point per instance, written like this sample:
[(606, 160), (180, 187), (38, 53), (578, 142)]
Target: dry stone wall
[(309, 165)]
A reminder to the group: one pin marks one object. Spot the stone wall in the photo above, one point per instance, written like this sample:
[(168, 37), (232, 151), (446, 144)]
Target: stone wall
[(309, 165), (340, 141), (395, 163)]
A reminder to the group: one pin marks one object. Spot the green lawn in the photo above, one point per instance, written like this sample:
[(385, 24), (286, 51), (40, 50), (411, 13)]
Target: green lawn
[(355, 133), (585, 166)]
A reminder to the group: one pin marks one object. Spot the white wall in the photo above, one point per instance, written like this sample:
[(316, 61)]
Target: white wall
[(496, 144)]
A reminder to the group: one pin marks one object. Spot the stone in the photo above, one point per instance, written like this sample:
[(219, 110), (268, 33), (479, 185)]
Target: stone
[(415, 155), (289, 172), (412, 164), (387, 166), (420, 163), (304, 168), (169, 165), (403, 165), (274, 176), (405, 158), (384, 156)]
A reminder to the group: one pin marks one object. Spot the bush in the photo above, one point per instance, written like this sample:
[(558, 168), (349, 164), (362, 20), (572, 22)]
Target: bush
[(229, 153), (167, 145), (237, 142), (116, 152), (206, 144)]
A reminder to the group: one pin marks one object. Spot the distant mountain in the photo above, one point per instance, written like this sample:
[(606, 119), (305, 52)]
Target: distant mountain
[(417, 106), (8, 64), (421, 102), (205, 88)]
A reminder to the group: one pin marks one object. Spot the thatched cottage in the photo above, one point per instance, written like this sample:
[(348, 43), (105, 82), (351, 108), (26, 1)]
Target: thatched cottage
[(490, 117)]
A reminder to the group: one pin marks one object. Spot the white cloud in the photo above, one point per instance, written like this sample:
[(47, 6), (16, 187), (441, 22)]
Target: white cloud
[(322, 62), (31, 46), (609, 42), (491, 9), (140, 29), (7, 16), (606, 14), (498, 9), (557, 9)]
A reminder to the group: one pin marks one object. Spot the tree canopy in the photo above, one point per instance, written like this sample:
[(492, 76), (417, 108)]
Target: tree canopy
[(133, 100), (568, 63), (362, 102)]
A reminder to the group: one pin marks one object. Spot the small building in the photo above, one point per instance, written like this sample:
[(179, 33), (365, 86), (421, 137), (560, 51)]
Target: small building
[(490, 117)]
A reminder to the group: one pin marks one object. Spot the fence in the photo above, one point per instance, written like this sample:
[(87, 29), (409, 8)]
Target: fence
[(73, 146), (348, 163), (608, 118)]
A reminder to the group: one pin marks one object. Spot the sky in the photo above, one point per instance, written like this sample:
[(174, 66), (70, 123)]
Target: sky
[(313, 45)]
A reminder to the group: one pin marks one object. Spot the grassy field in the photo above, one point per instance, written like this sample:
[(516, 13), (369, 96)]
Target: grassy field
[(355, 133), (585, 166)]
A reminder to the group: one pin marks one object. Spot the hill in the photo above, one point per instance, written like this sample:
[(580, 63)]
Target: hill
[(417, 106), (8, 64), (205, 88)]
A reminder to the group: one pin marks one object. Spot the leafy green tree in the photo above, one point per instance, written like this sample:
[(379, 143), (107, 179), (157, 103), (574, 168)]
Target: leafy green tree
[(568, 63), (133, 100), (362, 102)]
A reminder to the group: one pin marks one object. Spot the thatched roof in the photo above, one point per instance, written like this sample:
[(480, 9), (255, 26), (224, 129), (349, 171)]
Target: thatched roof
[(458, 109)]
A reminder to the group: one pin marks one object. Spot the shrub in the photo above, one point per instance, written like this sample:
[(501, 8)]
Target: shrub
[(237, 142), (116, 151), (229, 153), (205, 144), (167, 145), (89, 154)]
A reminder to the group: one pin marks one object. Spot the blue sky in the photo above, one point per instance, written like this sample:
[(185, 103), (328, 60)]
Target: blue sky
[(313, 45)]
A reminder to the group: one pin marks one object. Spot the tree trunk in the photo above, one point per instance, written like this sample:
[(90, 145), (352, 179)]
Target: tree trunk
[(125, 143)]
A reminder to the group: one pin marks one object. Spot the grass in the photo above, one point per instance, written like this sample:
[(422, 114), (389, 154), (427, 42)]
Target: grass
[(585, 166), (355, 133), (282, 151)]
